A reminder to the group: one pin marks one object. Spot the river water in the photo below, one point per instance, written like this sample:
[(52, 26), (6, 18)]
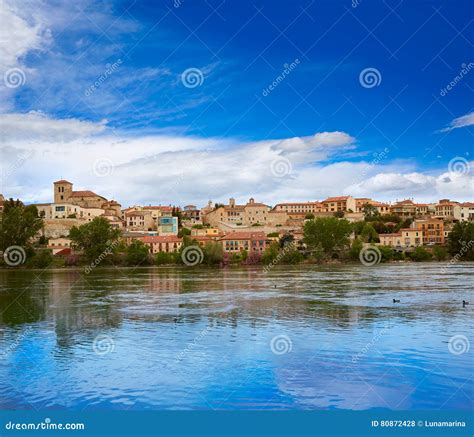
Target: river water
[(305, 337)]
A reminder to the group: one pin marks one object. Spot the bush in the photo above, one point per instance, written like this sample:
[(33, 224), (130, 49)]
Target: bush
[(356, 247), (213, 253), (165, 258), (40, 259), (136, 254), (420, 254), (387, 253), (440, 253)]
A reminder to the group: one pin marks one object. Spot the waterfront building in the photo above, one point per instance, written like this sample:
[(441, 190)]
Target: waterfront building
[(162, 243), (235, 242)]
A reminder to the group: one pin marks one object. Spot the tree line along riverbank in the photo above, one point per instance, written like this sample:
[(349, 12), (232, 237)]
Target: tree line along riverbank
[(325, 240)]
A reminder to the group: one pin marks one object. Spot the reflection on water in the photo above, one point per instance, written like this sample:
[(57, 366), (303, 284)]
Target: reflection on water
[(202, 339)]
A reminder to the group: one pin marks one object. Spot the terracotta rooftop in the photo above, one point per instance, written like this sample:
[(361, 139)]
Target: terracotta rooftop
[(161, 239), (62, 181), (245, 236), (336, 199), (85, 193)]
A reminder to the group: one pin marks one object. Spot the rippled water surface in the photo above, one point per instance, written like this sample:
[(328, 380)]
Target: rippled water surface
[(294, 338)]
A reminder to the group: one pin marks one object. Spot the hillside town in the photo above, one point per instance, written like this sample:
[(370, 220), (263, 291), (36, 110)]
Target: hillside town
[(247, 227)]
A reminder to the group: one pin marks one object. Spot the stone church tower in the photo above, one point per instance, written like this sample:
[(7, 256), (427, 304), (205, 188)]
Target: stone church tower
[(62, 191)]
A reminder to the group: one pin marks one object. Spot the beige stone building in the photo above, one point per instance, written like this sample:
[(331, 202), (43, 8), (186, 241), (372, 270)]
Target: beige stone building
[(252, 213), (382, 208), (236, 242), (448, 210), (160, 243), (340, 203)]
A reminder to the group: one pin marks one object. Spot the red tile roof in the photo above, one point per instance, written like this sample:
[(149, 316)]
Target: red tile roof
[(245, 236), (85, 193), (62, 181), (336, 199), (161, 239)]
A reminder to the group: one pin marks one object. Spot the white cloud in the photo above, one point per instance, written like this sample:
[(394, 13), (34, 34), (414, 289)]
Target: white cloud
[(179, 169), (465, 120)]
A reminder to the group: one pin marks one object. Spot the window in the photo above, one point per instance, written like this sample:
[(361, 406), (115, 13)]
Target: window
[(60, 208)]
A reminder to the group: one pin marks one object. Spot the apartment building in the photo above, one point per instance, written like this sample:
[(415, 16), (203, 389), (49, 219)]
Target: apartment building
[(338, 204), (448, 210), (235, 242), (162, 243)]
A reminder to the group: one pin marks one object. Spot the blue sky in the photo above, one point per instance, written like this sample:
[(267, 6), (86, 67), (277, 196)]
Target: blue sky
[(103, 100)]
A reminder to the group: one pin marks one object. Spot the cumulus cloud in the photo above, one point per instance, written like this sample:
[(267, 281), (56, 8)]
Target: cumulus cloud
[(181, 169), (465, 120)]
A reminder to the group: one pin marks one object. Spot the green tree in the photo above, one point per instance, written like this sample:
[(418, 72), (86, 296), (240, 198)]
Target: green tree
[(440, 253), (461, 241), (165, 258), (213, 253), (19, 224), (309, 216), (329, 232), (420, 254), (184, 231), (339, 214), (41, 259), (356, 247), (369, 234), (96, 239), (370, 210), (137, 253)]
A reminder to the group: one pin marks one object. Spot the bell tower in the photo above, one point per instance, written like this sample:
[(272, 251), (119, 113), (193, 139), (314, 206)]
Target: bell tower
[(62, 191)]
